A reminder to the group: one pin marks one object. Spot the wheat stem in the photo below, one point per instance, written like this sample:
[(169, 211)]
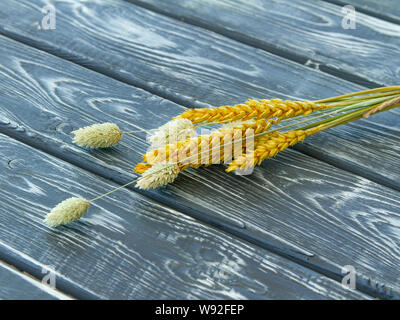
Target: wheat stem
[(381, 89), (116, 189)]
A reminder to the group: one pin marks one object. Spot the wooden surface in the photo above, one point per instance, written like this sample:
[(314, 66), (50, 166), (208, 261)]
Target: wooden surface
[(243, 210), (20, 286), (387, 10), (131, 247), (290, 227), (309, 32), (195, 67)]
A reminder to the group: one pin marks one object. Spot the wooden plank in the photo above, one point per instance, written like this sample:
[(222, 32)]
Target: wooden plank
[(309, 32), (387, 9), (196, 67), (15, 285), (131, 247), (375, 144), (295, 205)]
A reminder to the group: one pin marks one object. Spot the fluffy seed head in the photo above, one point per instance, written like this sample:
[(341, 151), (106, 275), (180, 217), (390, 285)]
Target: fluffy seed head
[(173, 131), (158, 175), (67, 211), (101, 135)]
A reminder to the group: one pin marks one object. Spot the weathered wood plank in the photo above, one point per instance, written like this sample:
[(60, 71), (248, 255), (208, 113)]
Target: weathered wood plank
[(386, 9), (15, 285), (196, 67), (309, 32), (131, 247), (293, 205)]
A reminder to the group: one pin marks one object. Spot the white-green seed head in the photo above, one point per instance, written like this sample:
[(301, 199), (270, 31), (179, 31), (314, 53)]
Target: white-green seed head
[(67, 211), (158, 175), (101, 135), (173, 131)]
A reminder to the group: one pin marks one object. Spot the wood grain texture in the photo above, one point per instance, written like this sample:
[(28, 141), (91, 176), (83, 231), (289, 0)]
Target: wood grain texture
[(185, 63), (196, 67), (386, 9), (131, 247), (295, 205), (15, 285), (306, 31)]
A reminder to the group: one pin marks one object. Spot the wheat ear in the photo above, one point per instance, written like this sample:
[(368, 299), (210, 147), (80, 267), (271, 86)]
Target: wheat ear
[(189, 153), (270, 145), (252, 109)]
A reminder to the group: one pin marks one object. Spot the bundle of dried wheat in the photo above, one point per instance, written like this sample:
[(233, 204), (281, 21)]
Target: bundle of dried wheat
[(250, 133)]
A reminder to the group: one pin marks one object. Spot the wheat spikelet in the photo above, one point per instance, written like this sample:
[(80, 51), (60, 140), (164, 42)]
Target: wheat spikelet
[(142, 167), (100, 135), (235, 124), (189, 152), (262, 109), (270, 145), (67, 211)]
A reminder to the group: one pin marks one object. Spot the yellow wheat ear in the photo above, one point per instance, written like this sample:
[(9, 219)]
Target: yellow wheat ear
[(184, 149), (101, 135), (67, 211), (268, 146), (252, 109)]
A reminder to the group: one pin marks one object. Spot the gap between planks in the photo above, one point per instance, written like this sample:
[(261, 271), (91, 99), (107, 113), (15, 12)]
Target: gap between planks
[(21, 285), (105, 71), (115, 241), (182, 102), (232, 34), (320, 265), (180, 99), (331, 270)]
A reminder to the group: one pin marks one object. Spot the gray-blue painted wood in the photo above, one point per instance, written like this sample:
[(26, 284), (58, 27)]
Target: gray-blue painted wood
[(129, 247), (15, 285), (316, 33), (297, 206), (196, 67), (384, 9)]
